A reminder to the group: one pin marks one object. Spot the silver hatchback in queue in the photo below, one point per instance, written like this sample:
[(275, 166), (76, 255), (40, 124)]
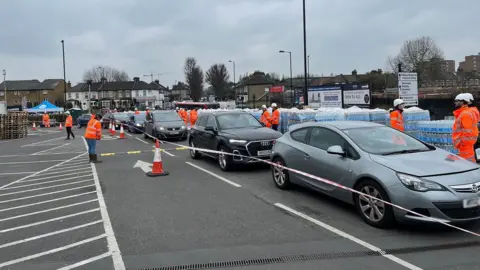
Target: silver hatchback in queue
[(383, 162)]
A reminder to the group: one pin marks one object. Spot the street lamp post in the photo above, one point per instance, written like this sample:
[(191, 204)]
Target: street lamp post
[(308, 66), (305, 89), (234, 78), (5, 85), (89, 96), (64, 77), (291, 76)]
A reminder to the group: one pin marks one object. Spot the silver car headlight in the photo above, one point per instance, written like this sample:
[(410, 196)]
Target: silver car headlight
[(160, 128), (418, 184), (183, 127), (237, 141)]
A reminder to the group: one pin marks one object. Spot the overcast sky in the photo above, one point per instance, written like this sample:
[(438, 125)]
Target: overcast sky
[(155, 36)]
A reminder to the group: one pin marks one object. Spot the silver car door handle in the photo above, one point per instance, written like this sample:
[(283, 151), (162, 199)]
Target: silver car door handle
[(306, 156)]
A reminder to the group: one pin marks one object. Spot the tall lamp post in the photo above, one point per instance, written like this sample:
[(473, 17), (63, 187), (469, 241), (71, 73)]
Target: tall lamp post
[(64, 77), (5, 85), (291, 76), (234, 77), (305, 89)]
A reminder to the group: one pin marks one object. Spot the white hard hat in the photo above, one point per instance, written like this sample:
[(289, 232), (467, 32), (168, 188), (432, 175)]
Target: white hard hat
[(176, 108), (397, 102), (67, 112), (45, 112), (469, 96), (462, 97), (264, 106), (274, 104)]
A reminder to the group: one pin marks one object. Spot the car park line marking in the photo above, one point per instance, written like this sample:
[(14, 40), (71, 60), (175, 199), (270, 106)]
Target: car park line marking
[(77, 174), (41, 171), (128, 134), (48, 154), (42, 142), (47, 201), (113, 247), (45, 194), (35, 189), (46, 182), (48, 210), (348, 236), (136, 138), (51, 251), (50, 234), (87, 261), (215, 175), (48, 220), (28, 162), (43, 151), (69, 168), (12, 173)]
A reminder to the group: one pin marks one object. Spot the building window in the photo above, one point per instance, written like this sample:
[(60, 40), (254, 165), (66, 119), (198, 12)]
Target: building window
[(144, 93), (77, 96), (45, 92), (127, 93), (2, 94), (86, 96), (120, 95), (69, 95), (110, 94), (477, 81)]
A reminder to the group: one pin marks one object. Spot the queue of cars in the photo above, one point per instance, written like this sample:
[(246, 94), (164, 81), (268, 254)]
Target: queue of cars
[(371, 158)]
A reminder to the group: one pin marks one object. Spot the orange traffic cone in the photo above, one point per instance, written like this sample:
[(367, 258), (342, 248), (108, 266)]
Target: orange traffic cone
[(112, 131), (110, 127), (34, 127), (60, 127), (122, 133), (157, 168)]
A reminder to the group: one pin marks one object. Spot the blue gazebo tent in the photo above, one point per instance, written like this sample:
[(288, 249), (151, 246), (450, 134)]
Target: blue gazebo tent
[(45, 106)]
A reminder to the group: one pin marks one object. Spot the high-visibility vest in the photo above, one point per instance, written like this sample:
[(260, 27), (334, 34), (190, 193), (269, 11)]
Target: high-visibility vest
[(476, 114), (265, 118), (275, 117), (464, 127), (396, 120), (94, 130), (68, 121)]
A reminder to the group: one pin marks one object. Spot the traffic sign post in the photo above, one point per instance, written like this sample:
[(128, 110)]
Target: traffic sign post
[(408, 88)]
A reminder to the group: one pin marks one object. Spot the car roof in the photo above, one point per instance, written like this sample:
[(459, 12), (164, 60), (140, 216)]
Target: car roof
[(338, 124), (223, 112)]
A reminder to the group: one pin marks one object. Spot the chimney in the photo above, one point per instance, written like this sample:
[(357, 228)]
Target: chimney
[(103, 80), (136, 79), (69, 85), (157, 81)]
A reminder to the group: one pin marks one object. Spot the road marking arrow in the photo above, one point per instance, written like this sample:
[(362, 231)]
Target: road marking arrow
[(145, 166)]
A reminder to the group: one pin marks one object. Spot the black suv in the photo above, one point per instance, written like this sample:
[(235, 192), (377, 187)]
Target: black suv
[(232, 132)]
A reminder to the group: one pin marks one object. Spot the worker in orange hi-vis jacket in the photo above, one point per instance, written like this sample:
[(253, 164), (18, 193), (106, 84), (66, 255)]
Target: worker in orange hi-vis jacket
[(193, 116), (396, 116), (69, 125), (463, 135), (46, 120), (275, 116), (265, 117)]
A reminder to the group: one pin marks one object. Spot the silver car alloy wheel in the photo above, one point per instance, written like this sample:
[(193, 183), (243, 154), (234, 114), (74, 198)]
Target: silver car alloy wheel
[(222, 159), (371, 208), (278, 174)]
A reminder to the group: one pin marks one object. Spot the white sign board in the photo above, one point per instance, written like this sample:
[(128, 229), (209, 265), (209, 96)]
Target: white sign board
[(356, 97), (325, 97), (408, 88)]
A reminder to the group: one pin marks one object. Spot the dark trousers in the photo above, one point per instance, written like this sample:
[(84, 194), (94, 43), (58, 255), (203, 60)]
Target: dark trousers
[(275, 127), (69, 132)]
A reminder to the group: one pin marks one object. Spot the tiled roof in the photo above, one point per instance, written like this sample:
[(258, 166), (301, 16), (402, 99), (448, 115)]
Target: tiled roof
[(19, 85), (49, 84), (257, 78), (114, 86)]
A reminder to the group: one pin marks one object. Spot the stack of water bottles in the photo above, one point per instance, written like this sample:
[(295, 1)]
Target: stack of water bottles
[(326, 115), (379, 116), (411, 117), (437, 133), (292, 117), (357, 114)]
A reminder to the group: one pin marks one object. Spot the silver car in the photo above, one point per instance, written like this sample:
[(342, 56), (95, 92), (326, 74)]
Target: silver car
[(384, 163)]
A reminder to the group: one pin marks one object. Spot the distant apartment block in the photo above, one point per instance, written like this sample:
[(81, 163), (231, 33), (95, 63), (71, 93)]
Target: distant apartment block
[(448, 66), (470, 63)]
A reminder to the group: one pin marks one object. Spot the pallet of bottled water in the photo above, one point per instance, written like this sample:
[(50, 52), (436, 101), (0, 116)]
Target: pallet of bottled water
[(295, 116), (437, 133), (326, 115), (357, 114), (379, 116), (411, 118)]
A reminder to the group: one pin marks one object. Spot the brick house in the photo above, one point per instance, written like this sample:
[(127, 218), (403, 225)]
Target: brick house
[(30, 93)]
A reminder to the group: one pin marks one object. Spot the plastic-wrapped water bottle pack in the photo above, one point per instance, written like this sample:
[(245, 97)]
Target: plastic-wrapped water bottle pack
[(437, 133)]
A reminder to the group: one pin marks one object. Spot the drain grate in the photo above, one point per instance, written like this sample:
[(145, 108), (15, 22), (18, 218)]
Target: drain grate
[(314, 257)]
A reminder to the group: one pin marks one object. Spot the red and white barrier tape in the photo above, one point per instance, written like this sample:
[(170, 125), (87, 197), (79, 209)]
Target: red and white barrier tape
[(321, 180)]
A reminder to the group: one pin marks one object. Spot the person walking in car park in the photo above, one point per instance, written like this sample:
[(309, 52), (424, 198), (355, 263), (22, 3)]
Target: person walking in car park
[(46, 120), (92, 134), (183, 114), (68, 126), (476, 113), (275, 116), (193, 116), (265, 118), (465, 130), (396, 115)]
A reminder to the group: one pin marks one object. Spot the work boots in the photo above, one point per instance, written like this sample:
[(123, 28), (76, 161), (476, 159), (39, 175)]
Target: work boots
[(90, 158), (95, 160)]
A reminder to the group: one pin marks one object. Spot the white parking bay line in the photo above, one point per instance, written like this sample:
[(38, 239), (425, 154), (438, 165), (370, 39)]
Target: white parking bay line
[(215, 175), (49, 149), (29, 162), (55, 250), (12, 173), (136, 138), (47, 201), (42, 142), (44, 170), (35, 189), (47, 182), (48, 210), (349, 237), (45, 194), (49, 234), (48, 220), (77, 175), (69, 168), (87, 261), (117, 259)]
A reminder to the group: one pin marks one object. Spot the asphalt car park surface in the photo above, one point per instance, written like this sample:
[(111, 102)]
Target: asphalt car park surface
[(198, 215)]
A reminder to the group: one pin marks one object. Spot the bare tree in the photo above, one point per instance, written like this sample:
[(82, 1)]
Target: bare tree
[(96, 73), (194, 78), (417, 55), (217, 76)]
